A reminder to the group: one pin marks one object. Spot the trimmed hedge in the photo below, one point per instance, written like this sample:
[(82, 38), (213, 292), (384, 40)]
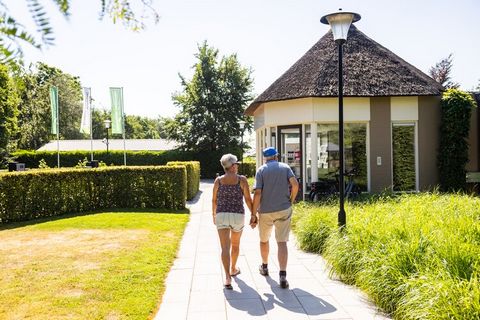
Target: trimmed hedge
[(209, 161), (248, 168), (43, 193), (193, 176)]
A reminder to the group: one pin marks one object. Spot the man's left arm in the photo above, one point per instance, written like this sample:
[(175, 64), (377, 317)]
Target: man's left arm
[(294, 184)]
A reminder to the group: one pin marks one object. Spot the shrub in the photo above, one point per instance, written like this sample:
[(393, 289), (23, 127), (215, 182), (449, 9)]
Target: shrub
[(193, 176), (416, 256), (455, 125), (209, 161), (42, 193), (248, 167)]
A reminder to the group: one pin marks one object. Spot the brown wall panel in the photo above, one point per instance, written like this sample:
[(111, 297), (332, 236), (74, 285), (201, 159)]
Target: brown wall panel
[(429, 113), (380, 144)]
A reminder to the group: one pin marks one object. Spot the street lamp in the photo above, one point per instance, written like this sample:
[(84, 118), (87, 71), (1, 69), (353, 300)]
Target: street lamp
[(107, 124), (241, 124), (340, 24)]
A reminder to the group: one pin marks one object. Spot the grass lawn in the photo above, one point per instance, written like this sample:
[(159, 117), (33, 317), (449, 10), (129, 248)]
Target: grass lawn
[(417, 256), (109, 265)]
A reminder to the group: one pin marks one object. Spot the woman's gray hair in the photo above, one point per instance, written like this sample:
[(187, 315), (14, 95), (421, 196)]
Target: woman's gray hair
[(228, 160)]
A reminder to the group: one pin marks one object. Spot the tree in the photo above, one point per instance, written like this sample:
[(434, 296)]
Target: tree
[(8, 110), (35, 116), (453, 152), (478, 86), (441, 73), (12, 32), (212, 103)]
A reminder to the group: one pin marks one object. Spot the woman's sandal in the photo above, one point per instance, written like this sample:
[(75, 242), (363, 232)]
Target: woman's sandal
[(228, 286), (236, 273)]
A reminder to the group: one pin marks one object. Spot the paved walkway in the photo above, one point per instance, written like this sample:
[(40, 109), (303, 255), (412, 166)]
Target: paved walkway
[(194, 287)]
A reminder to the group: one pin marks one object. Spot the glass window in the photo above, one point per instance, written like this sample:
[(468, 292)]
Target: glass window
[(273, 138), (355, 146), (308, 155), (403, 147)]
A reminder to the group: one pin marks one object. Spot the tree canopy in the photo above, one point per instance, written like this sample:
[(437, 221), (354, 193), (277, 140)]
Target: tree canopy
[(441, 73), (8, 110), (212, 103)]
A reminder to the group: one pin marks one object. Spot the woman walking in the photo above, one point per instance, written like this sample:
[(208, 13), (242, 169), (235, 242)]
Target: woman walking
[(228, 212)]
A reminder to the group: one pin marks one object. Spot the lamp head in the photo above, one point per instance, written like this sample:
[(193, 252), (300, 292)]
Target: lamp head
[(107, 123), (340, 23)]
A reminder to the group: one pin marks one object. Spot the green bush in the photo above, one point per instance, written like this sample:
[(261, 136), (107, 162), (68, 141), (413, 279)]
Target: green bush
[(51, 192), (417, 256), (248, 168), (209, 161), (453, 152), (193, 176)]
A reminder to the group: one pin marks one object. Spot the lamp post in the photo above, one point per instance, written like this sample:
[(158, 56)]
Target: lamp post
[(241, 124), (107, 124), (340, 24)]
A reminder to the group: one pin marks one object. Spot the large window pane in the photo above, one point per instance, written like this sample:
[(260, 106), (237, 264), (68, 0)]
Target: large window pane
[(403, 140), (355, 143)]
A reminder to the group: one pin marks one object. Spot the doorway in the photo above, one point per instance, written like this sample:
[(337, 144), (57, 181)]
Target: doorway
[(290, 149)]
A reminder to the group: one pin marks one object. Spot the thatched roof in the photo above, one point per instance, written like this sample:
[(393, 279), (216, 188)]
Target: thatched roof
[(370, 70)]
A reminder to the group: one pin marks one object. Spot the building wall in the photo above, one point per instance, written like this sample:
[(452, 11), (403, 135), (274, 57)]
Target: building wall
[(380, 144), (429, 113), (379, 113)]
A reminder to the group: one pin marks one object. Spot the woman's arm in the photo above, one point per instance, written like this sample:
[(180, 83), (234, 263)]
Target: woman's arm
[(214, 200), (246, 193)]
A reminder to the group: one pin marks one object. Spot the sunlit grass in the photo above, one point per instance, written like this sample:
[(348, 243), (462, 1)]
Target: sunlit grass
[(99, 266), (417, 256)]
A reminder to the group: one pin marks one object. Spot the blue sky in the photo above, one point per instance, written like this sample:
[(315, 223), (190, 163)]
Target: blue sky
[(268, 36)]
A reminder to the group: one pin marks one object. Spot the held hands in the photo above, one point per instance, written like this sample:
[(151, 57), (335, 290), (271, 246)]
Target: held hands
[(213, 217), (253, 221)]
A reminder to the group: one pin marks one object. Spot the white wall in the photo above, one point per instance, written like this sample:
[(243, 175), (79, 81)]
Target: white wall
[(309, 110)]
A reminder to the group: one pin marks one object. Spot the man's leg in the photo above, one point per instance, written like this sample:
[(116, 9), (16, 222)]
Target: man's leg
[(264, 250), (265, 225), (282, 255)]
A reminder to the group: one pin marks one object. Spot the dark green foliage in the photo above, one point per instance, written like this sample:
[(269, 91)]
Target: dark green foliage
[(8, 110), (212, 103), (193, 176), (403, 158), (35, 194), (209, 161), (35, 116), (455, 125)]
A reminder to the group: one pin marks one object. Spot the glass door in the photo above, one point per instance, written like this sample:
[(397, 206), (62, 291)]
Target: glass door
[(291, 150)]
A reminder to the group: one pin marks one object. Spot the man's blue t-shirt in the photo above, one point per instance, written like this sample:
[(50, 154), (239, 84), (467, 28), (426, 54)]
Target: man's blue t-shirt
[(273, 178)]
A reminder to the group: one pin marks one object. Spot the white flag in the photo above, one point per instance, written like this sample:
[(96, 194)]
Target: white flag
[(85, 126)]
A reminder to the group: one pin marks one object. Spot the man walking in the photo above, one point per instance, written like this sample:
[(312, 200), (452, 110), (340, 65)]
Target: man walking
[(273, 202)]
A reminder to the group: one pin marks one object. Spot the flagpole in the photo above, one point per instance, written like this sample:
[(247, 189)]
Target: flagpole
[(91, 127), (58, 136), (123, 124)]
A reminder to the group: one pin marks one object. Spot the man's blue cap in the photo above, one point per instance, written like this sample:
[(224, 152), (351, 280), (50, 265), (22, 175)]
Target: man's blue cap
[(270, 152)]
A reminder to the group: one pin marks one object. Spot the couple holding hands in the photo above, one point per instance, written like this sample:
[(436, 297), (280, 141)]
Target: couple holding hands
[(275, 191)]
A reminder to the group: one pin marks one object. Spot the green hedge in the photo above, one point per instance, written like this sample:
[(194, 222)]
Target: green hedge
[(209, 161), (193, 176), (41, 193), (248, 168)]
